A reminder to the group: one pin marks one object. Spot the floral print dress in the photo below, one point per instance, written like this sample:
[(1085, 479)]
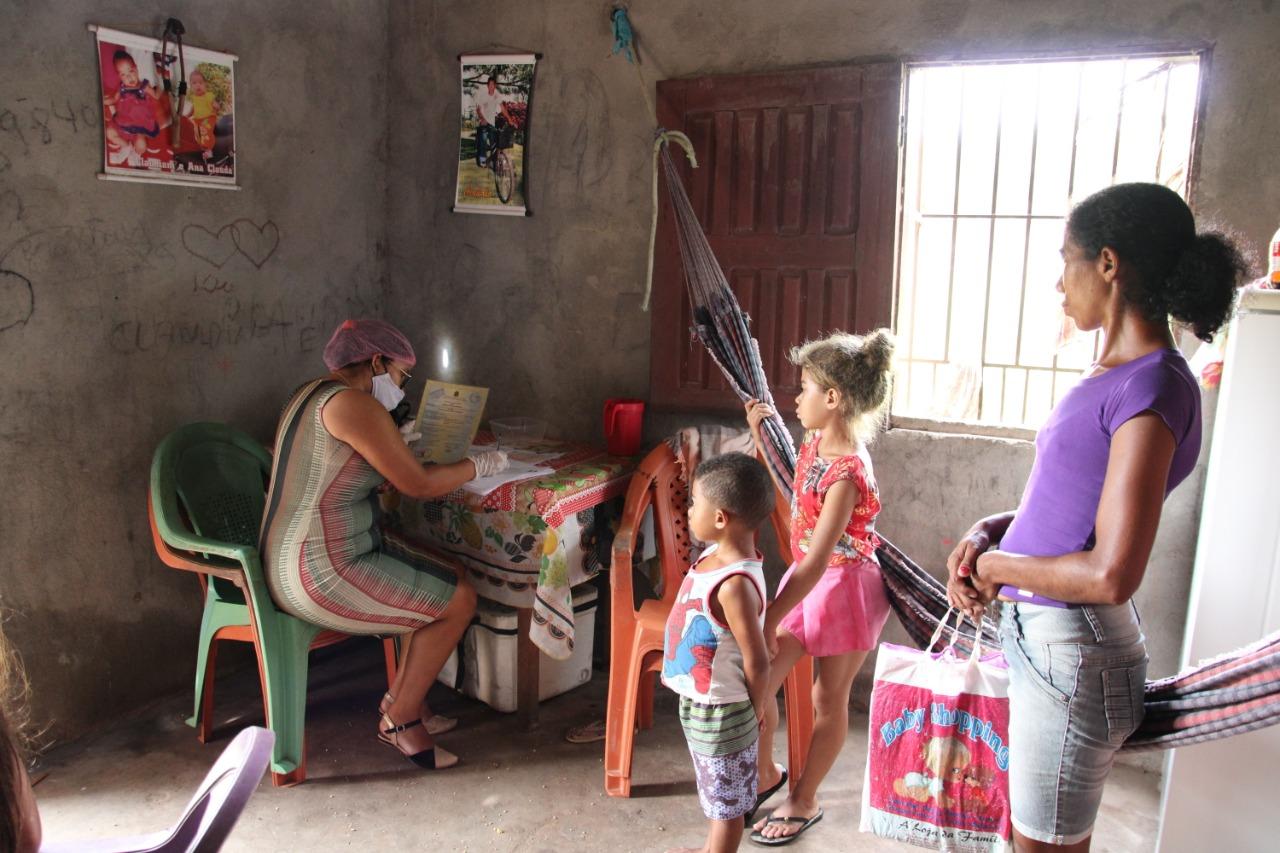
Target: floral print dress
[(848, 607)]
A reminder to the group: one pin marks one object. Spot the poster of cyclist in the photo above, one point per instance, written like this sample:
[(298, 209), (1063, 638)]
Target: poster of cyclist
[(495, 121), (168, 113)]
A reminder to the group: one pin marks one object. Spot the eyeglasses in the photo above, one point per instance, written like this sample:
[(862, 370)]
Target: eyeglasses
[(405, 375)]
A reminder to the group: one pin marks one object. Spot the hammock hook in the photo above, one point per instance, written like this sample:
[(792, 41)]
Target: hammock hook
[(661, 137)]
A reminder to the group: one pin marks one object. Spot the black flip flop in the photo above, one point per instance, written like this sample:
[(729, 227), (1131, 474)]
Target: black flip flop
[(805, 823), (764, 796)]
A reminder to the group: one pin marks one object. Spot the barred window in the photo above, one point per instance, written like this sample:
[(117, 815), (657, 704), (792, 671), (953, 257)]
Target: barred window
[(994, 154)]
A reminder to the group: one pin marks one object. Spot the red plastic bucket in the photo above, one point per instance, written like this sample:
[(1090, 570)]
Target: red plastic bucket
[(623, 418)]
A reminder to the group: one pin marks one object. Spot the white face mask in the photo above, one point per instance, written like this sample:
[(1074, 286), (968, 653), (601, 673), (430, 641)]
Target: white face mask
[(386, 391)]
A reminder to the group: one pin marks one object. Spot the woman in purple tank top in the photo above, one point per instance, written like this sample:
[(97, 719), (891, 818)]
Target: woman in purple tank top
[(1069, 559)]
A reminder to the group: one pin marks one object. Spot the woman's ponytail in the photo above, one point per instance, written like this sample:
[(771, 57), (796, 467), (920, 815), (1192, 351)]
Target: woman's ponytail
[(1201, 289)]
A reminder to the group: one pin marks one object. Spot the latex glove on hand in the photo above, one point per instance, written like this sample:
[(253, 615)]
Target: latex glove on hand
[(409, 433), (488, 463)]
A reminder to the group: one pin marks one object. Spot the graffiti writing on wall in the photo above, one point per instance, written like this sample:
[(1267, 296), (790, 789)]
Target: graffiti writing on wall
[(93, 249), (68, 254), (17, 300), (285, 329), (27, 122)]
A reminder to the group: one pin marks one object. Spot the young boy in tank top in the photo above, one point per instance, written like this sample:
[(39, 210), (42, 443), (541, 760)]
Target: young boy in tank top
[(714, 656)]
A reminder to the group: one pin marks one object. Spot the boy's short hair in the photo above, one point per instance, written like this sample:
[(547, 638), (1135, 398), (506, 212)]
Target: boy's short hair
[(737, 484), (123, 56)]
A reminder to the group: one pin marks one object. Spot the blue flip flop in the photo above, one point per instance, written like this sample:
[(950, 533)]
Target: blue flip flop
[(805, 823)]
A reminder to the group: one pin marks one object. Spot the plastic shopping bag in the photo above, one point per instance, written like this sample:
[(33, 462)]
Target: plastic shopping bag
[(938, 755)]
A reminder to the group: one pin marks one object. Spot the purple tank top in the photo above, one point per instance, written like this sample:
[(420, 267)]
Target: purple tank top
[(1060, 502)]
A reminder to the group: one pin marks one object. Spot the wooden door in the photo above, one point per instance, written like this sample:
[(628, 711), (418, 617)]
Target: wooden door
[(796, 191)]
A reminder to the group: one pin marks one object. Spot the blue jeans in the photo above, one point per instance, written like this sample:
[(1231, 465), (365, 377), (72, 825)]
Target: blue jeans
[(486, 138), (1076, 679)]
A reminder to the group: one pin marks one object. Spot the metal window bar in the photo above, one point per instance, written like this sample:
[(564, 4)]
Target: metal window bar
[(1115, 155), (1026, 246), (917, 217), (1164, 120), (955, 222), (1071, 188), (1020, 217), (991, 251), (915, 272)]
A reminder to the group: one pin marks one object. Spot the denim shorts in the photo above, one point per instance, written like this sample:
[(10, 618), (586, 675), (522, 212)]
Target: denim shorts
[(1076, 679)]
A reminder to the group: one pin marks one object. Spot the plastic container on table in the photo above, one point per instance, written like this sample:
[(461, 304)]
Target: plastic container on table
[(515, 431)]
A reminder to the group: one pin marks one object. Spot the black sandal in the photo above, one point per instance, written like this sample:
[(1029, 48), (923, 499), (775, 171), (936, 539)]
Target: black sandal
[(779, 841), (426, 759), (764, 796)]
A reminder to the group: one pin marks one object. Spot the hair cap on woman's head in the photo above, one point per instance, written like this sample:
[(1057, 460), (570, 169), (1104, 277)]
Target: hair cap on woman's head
[(361, 340)]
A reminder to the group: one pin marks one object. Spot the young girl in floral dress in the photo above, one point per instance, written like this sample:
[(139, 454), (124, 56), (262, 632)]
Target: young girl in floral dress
[(831, 603)]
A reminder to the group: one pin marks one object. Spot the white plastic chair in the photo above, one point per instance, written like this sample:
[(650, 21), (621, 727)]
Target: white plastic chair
[(209, 816)]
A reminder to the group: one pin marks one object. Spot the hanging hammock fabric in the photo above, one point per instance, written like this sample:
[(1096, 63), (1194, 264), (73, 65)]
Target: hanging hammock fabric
[(1231, 694), (722, 327), (1235, 693), (719, 321)]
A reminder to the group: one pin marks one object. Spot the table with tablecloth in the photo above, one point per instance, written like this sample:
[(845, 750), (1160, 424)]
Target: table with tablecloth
[(528, 543)]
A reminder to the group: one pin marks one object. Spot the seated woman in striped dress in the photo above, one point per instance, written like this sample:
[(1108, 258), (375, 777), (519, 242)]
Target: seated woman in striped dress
[(327, 561)]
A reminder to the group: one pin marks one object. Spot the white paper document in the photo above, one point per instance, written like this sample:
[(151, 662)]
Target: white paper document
[(517, 469)]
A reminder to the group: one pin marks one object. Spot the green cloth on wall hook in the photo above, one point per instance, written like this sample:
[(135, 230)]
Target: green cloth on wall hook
[(623, 37)]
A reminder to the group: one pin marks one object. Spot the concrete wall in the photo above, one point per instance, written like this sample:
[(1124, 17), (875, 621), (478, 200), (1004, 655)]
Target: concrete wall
[(131, 333), (545, 309)]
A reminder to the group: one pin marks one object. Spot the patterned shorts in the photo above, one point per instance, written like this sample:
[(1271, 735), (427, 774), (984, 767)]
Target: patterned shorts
[(727, 783)]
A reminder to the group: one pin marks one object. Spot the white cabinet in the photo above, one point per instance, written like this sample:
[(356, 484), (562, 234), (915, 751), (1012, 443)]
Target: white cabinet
[(1222, 795)]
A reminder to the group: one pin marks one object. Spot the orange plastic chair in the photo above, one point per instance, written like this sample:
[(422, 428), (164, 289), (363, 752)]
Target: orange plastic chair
[(637, 634)]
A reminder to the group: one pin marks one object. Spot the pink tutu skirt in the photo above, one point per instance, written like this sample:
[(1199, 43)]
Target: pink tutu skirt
[(845, 612)]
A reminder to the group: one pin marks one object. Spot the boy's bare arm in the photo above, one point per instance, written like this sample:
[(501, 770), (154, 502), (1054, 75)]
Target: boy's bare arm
[(741, 604)]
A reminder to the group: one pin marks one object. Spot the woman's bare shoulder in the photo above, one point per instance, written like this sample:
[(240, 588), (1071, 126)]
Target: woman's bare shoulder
[(349, 410)]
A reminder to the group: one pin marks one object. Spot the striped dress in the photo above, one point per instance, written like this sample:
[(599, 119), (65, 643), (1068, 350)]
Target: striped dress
[(325, 559)]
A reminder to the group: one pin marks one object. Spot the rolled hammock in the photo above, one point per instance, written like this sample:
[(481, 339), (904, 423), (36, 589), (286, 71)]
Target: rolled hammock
[(1231, 694)]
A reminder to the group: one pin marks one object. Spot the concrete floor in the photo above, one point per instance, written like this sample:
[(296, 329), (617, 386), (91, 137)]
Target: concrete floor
[(515, 791)]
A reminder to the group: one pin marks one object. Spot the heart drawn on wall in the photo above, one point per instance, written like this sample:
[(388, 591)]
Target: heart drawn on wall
[(215, 249), (257, 243)]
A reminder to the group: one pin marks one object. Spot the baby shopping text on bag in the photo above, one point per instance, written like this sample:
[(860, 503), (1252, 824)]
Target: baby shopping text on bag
[(938, 767)]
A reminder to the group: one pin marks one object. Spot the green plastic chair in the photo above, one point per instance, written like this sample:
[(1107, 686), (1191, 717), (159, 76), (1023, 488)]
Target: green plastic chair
[(206, 499)]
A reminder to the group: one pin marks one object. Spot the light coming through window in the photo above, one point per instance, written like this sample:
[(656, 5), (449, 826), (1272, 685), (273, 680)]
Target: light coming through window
[(994, 154)]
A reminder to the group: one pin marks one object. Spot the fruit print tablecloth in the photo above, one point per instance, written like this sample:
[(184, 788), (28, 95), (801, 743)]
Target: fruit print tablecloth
[(529, 543)]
